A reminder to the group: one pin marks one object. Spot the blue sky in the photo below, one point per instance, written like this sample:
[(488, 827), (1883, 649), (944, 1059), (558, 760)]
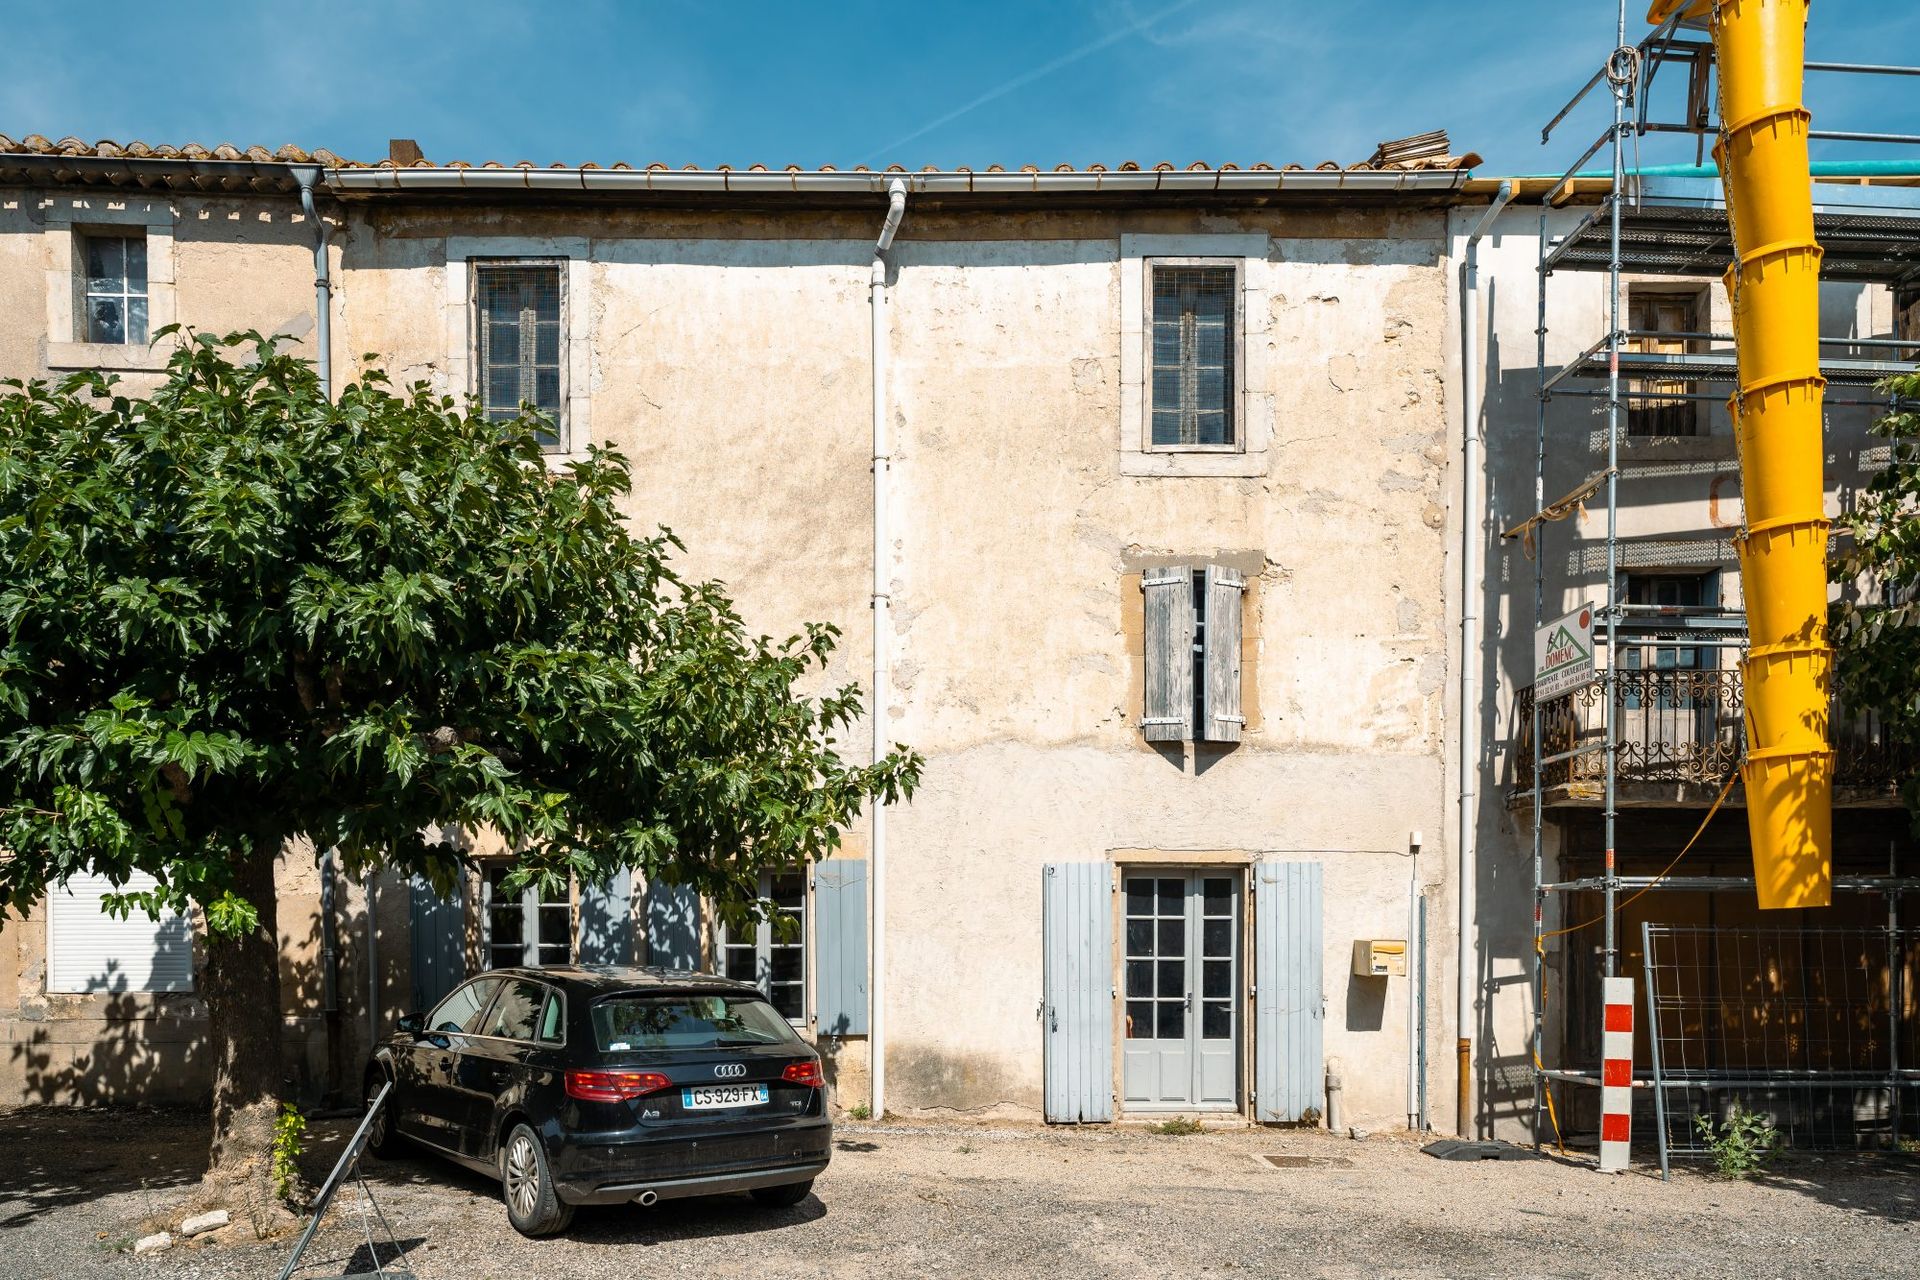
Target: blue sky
[(858, 82)]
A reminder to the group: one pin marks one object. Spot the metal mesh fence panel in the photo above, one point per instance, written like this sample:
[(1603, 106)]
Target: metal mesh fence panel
[(1811, 1028)]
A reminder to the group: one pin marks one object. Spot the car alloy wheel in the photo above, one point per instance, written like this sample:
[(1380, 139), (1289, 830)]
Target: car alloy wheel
[(523, 1175), (534, 1206)]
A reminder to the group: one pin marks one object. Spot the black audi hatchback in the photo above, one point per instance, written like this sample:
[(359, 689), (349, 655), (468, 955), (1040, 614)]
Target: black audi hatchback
[(587, 1085)]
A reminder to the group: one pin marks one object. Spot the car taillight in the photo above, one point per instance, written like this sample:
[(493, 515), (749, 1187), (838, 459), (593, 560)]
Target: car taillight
[(807, 1073), (614, 1086)]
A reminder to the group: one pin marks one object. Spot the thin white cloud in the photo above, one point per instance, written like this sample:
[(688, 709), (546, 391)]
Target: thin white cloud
[(1045, 69)]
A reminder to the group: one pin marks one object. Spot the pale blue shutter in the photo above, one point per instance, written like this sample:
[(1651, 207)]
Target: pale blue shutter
[(437, 929), (1077, 938), (673, 926), (840, 947), (1289, 1007), (606, 920)]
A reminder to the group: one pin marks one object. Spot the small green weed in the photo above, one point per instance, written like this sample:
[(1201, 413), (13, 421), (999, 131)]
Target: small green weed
[(1177, 1127), (860, 1111), (289, 1140), (1742, 1143)]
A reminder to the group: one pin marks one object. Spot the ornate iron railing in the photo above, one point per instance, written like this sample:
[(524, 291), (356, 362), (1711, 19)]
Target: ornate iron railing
[(1676, 726)]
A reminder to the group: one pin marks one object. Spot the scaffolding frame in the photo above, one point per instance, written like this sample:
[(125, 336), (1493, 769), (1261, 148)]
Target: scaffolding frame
[(1679, 231)]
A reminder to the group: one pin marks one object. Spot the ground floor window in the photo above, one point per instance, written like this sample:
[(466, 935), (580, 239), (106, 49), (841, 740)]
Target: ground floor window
[(771, 955), (527, 928)]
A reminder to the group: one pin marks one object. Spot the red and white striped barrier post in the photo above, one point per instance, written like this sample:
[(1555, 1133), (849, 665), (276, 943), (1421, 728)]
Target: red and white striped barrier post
[(1616, 1076)]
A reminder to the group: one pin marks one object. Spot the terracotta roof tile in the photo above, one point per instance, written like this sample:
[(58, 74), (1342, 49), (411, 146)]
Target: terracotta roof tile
[(1429, 157)]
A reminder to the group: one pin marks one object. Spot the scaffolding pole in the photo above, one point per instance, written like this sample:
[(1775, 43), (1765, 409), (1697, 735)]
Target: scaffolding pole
[(1628, 72)]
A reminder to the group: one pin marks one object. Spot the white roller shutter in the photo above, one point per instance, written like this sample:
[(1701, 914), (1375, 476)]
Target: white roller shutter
[(89, 950)]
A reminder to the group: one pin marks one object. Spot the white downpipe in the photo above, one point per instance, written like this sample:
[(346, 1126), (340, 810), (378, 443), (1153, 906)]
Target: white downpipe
[(1471, 535), (882, 639)]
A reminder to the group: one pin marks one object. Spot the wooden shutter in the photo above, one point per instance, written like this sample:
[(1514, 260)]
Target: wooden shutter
[(606, 920), (673, 926), (1226, 589), (840, 946), (1168, 595), (437, 929), (1077, 941), (1289, 1005)]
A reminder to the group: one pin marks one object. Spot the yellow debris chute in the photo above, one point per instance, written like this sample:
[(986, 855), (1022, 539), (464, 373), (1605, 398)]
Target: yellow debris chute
[(1774, 284)]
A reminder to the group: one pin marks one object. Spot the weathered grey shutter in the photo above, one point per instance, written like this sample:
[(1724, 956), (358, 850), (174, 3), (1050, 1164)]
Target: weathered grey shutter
[(840, 945), (1225, 588), (1077, 938), (673, 926), (437, 929), (606, 920), (1289, 1008), (1168, 595)]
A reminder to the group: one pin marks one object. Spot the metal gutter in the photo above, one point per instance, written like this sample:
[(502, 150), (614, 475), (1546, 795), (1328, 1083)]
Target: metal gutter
[(680, 181)]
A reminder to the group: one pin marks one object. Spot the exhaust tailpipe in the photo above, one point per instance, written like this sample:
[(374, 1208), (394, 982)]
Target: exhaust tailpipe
[(647, 1199)]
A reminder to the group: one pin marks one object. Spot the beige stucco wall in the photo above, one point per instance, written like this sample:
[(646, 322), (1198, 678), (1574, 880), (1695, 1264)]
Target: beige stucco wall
[(727, 356)]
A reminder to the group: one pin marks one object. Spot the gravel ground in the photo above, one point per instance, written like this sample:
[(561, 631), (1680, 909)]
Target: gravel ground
[(1001, 1201)]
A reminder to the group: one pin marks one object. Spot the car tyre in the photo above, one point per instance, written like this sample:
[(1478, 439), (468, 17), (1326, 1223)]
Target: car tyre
[(534, 1206), (383, 1138), (783, 1197)]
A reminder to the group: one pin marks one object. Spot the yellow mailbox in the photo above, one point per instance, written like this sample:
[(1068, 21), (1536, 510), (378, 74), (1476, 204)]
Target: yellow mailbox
[(1379, 958)]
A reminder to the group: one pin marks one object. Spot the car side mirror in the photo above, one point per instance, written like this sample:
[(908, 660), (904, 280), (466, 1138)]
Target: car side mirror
[(412, 1024)]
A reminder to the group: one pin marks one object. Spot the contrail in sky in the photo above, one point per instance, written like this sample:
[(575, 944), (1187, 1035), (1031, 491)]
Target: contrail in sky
[(1026, 78)]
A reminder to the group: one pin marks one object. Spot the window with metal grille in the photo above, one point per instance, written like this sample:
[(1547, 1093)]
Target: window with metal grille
[(772, 955), (1193, 356), (116, 289), (517, 318)]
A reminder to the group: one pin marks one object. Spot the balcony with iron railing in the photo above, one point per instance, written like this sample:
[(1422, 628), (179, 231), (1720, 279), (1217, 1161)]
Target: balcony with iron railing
[(1680, 734)]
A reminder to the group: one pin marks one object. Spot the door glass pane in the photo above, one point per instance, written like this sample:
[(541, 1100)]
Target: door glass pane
[(1173, 937), (1139, 978), (1172, 1020), (1173, 897), (1139, 896), (1217, 937), (1217, 979), (1139, 1019), (1139, 937), (1218, 896), (739, 963), (1216, 1020), (1172, 979)]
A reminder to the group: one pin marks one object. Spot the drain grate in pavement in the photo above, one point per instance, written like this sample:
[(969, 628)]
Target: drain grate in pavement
[(1306, 1162)]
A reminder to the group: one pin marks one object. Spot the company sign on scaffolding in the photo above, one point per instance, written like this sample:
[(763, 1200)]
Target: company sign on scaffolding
[(1563, 654)]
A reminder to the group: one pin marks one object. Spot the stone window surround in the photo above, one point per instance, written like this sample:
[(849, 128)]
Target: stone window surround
[(574, 322), (1251, 454), (67, 220)]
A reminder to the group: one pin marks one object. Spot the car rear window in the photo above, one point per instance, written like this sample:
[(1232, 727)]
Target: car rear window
[(687, 1022)]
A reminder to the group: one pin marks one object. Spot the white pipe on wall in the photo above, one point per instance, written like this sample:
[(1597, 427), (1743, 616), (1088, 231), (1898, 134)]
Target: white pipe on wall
[(1471, 535), (882, 639)]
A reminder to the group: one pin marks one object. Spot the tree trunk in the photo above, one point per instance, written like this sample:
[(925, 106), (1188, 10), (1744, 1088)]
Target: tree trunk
[(243, 1030)]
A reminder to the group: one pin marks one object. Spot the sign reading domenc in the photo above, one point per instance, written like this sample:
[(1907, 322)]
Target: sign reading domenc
[(1563, 654)]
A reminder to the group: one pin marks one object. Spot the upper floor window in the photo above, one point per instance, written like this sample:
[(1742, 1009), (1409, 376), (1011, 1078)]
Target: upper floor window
[(1192, 632), (518, 340), (1664, 323), (770, 955), (115, 289), (1193, 336)]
